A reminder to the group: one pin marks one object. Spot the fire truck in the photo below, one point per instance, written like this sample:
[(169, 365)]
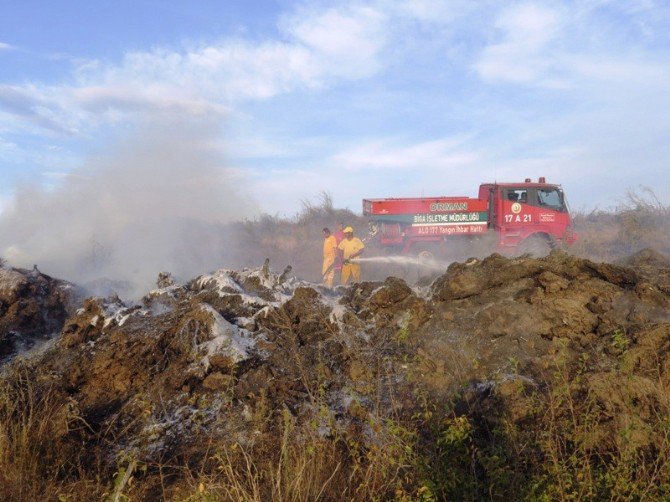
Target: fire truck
[(529, 217)]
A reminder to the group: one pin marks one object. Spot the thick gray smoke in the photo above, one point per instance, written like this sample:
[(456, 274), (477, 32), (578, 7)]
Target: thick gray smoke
[(158, 201)]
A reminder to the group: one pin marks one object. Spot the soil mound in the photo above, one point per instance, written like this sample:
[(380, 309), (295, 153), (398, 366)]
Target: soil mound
[(653, 266), (503, 374), (33, 308)]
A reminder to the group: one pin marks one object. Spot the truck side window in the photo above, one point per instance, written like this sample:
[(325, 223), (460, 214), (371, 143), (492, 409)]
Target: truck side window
[(550, 197)]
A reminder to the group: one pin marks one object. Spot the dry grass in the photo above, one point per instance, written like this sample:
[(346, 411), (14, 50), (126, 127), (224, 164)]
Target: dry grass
[(568, 447), (303, 465), (38, 459), (640, 221)]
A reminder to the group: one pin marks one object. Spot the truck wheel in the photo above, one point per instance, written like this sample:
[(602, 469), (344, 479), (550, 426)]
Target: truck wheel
[(425, 256), (536, 246), (424, 251)]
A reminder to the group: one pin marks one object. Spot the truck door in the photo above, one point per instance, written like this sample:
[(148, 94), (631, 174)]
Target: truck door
[(516, 215), (551, 198), (552, 212)]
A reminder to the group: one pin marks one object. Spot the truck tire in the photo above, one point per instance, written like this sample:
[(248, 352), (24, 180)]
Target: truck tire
[(425, 256), (536, 246), (424, 251)]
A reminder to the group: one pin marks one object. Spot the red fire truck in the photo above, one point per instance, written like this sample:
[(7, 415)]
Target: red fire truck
[(518, 217)]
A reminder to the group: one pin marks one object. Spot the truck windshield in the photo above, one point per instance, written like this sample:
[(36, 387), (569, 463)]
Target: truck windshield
[(550, 197)]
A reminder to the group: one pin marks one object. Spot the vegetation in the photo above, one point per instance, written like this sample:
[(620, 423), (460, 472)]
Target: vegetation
[(549, 445), (640, 221)]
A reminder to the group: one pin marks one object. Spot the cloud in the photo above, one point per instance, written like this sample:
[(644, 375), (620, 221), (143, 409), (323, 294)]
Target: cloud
[(523, 55), (426, 156), (99, 100), (227, 72), (315, 49), (7, 146), (435, 11), (631, 69), (5, 203), (381, 168), (60, 175), (5, 46), (570, 46), (342, 43), (25, 103)]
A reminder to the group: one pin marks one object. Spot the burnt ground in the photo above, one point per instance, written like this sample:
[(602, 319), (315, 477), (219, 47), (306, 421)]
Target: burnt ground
[(33, 308), (503, 374)]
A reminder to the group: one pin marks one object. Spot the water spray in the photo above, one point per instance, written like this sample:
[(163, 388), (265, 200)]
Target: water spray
[(427, 263)]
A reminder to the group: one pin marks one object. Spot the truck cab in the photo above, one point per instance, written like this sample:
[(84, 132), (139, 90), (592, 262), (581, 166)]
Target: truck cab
[(528, 215)]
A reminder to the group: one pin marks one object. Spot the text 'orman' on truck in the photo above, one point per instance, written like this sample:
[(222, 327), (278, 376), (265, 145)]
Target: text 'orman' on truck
[(518, 217)]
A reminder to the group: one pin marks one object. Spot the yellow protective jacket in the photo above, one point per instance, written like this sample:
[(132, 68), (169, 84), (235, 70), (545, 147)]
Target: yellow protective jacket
[(350, 247), (329, 252)]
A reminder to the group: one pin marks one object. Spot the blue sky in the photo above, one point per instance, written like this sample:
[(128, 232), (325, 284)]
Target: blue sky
[(361, 99)]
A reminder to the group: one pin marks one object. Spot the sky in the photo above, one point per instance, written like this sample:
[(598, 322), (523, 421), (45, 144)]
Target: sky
[(359, 99)]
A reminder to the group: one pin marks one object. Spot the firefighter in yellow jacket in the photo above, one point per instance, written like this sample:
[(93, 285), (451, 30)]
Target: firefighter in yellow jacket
[(329, 256), (351, 248)]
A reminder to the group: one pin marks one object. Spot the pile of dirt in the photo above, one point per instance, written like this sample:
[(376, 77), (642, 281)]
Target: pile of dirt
[(33, 308), (204, 357), (498, 313), (652, 266), (222, 361)]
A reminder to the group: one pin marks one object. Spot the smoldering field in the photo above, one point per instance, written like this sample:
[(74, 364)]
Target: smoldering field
[(165, 200), (546, 378)]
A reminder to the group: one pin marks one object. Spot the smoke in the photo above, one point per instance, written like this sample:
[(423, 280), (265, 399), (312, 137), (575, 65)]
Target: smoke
[(428, 264), (157, 201)]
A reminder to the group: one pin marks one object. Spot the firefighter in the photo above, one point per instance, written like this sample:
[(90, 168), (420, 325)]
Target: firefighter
[(330, 254), (351, 248), (339, 235)]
